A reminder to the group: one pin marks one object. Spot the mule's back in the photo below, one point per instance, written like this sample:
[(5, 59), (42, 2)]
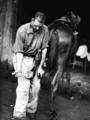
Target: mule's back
[(61, 39)]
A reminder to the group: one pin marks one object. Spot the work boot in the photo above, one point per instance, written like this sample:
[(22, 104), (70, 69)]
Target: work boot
[(31, 116)]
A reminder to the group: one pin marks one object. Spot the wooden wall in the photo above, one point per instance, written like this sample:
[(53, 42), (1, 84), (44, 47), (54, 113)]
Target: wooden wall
[(8, 21)]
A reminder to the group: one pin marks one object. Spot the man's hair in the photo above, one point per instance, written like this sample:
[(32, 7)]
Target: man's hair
[(41, 16)]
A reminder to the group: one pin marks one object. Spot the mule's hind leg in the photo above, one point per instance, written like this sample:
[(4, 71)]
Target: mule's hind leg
[(54, 86), (53, 113)]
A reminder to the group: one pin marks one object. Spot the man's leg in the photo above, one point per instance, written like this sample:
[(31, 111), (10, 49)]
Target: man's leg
[(22, 95), (34, 95)]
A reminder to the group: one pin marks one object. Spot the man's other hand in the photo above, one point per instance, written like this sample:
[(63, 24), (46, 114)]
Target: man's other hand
[(40, 72), (17, 74)]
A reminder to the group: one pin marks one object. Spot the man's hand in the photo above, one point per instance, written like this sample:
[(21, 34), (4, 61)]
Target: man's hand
[(17, 74), (40, 72)]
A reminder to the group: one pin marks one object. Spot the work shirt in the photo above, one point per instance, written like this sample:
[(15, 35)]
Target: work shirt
[(28, 41)]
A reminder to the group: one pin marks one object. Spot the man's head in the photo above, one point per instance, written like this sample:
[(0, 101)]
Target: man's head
[(38, 20)]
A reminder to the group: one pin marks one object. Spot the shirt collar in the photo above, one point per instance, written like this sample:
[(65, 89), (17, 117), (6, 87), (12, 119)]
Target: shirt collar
[(29, 30)]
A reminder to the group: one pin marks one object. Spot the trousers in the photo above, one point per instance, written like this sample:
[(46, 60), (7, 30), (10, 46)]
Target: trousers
[(27, 91)]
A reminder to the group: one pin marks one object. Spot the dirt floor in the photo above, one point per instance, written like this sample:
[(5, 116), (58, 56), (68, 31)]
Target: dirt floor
[(75, 107)]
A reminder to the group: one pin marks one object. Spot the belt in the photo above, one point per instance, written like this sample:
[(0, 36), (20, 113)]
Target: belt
[(29, 55)]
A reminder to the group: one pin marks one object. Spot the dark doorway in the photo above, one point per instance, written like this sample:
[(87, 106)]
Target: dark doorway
[(53, 10)]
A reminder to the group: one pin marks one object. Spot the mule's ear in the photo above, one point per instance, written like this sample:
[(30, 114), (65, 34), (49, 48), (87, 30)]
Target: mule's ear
[(75, 18), (78, 19)]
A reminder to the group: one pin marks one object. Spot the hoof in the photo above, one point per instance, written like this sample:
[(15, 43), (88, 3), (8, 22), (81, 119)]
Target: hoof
[(52, 115)]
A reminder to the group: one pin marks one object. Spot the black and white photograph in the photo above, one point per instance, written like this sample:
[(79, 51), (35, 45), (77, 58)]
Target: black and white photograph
[(44, 60)]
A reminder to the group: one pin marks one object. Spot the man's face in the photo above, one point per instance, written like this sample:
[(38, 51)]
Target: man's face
[(37, 24)]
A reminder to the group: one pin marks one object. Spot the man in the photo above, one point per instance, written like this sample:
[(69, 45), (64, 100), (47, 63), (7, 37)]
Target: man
[(30, 51)]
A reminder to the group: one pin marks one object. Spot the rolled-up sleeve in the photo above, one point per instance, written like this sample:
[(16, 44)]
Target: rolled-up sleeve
[(45, 39), (18, 45)]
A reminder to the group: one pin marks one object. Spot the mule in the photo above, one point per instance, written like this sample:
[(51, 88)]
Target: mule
[(60, 48)]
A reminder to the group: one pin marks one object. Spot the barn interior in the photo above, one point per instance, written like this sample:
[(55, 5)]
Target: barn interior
[(69, 106), (53, 10)]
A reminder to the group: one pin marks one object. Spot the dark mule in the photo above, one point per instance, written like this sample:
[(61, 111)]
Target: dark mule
[(60, 47)]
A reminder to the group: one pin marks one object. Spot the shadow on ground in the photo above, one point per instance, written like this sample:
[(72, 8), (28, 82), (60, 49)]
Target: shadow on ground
[(75, 106)]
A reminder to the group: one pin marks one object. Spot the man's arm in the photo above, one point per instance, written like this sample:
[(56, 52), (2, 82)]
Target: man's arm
[(18, 51), (44, 46), (18, 64), (40, 71), (44, 52)]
